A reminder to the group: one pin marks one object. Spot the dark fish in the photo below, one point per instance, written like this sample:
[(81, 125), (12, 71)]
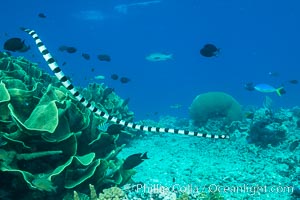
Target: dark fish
[(114, 77), (92, 69), (42, 15), (114, 129), (294, 81), (86, 56), (124, 80), (104, 57), (249, 86), (64, 63), (67, 49), (134, 160), (71, 49), (209, 50), (16, 44)]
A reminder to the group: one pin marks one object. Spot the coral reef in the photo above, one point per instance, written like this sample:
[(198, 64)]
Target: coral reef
[(112, 193), (269, 127), (214, 105), (50, 145), (264, 132)]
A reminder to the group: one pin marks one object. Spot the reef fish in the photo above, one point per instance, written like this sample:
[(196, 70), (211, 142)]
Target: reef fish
[(154, 57), (86, 56), (249, 86), (122, 8), (99, 77), (265, 88), (124, 80), (16, 44), (104, 57), (134, 160), (209, 50), (67, 49), (114, 76), (41, 15), (294, 81), (175, 106)]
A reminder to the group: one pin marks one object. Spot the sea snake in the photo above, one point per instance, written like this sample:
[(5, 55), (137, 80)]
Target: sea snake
[(67, 84)]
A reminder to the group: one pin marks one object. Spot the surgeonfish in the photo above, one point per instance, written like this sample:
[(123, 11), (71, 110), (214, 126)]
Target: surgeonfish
[(154, 57), (134, 160), (15, 44), (209, 50)]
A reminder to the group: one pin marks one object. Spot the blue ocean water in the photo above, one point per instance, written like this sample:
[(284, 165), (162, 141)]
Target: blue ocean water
[(255, 37)]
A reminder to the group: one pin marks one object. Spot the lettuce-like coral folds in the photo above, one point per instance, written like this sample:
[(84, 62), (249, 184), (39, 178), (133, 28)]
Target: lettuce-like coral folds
[(49, 143)]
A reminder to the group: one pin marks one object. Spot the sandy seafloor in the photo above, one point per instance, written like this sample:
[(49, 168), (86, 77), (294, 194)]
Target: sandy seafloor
[(194, 164)]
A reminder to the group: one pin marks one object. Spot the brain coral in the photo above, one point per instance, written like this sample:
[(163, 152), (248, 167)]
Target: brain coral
[(213, 105)]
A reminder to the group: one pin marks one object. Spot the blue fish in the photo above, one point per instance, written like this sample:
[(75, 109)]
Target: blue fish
[(265, 88)]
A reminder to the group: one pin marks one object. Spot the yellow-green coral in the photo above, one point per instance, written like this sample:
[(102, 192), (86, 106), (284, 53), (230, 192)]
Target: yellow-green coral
[(113, 193)]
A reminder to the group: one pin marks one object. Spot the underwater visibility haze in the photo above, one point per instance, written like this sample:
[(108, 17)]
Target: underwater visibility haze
[(150, 99)]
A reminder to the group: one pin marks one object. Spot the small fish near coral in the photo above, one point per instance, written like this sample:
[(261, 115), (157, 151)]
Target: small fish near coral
[(154, 57), (264, 88), (209, 50), (122, 79), (16, 44), (134, 160)]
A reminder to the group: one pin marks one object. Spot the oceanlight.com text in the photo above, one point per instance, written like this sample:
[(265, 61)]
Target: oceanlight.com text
[(212, 188), (251, 190)]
